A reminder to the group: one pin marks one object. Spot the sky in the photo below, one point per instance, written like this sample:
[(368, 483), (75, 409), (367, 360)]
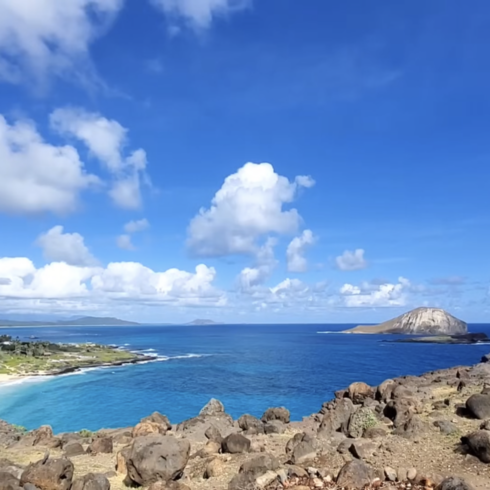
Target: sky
[(246, 161)]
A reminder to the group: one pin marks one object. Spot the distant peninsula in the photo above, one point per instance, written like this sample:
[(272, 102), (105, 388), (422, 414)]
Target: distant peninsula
[(82, 321), (420, 321)]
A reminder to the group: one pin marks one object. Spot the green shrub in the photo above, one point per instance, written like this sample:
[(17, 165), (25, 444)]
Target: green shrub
[(85, 433), (19, 428)]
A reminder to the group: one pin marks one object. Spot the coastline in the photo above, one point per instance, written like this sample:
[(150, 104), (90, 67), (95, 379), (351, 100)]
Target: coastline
[(10, 379), (414, 431)]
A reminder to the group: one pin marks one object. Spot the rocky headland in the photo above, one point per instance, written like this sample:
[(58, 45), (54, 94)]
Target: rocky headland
[(39, 358), (420, 321), (414, 432)]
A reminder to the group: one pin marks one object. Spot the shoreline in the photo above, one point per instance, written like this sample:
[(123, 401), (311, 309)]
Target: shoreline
[(409, 432), (10, 379)]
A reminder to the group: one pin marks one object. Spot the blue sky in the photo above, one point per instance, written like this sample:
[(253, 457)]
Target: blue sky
[(245, 161)]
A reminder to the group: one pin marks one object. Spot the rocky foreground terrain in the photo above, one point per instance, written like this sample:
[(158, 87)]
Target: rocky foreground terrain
[(427, 432)]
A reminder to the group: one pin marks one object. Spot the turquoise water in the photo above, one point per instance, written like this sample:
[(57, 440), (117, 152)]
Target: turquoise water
[(248, 367)]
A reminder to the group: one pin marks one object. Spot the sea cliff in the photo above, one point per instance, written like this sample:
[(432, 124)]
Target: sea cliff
[(413, 432)]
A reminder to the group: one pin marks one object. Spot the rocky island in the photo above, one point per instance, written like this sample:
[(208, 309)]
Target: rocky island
[(38, 358), (420, 321)]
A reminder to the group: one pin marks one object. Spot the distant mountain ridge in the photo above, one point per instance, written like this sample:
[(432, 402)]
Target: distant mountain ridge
[(420, 321), (81, 321)]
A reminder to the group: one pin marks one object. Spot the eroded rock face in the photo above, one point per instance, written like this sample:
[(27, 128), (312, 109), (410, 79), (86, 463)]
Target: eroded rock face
[(53, 474), (156, 457), (91, 482)]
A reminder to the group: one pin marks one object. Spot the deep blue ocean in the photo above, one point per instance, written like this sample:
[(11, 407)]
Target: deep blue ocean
[(248, 367)]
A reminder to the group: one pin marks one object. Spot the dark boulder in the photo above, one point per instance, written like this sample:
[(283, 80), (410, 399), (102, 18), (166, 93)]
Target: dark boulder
[(49, 474), (91, 482), (73, 449), (303, 452), (384, 390), (251, 470), (213, 434), (156, 457), (250, 424), (278, 413), (42, 436), (479, 406), (479, 444), (101, 445), (337, 416), (235, 444), (413, 428), (446, 427), (454, 483), (295, 440), (260, 465), (68, 438), (274, 427), (356, 474)]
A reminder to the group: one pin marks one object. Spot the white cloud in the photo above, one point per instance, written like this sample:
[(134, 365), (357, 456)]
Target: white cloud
[(124, 242), (89, 287), (371, 295), (136, 226), (106, 140), (36, 177), (43, 37), (251, 277), (296, 249), (351, 260), (248, 206), (65, 247), (200, 13)]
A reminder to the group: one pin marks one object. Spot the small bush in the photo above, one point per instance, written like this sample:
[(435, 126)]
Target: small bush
[(85, 433), (20, 428)]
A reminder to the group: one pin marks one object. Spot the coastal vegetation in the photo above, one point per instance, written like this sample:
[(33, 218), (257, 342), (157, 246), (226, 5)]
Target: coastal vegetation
[(30, 358)]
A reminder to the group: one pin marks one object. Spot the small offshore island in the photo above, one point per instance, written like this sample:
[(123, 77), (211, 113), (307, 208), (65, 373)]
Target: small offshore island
[(426, 326), (39, 358)]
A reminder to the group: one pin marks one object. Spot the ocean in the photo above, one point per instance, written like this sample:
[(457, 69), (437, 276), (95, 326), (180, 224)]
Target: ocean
[(248, 367)]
